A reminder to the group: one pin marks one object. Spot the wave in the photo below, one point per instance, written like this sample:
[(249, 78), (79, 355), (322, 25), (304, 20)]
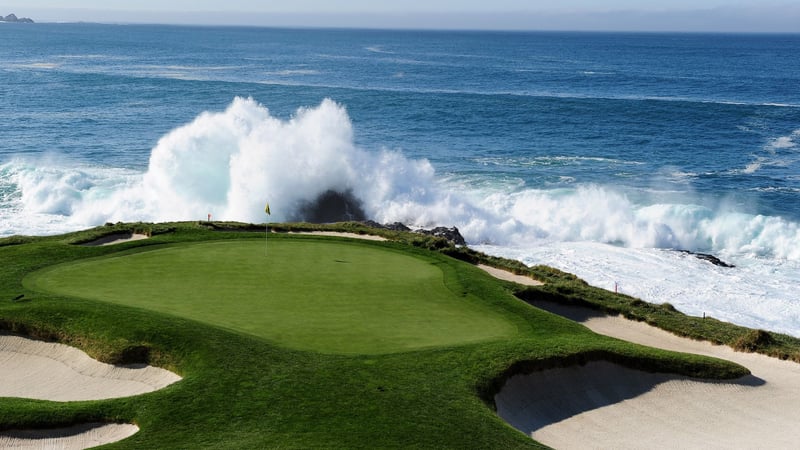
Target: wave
[(784, 142), (37, 65), (230, 163), (293, 72), (299, 78), (777, 152), (87, 56), (377, 49), (554, 160)]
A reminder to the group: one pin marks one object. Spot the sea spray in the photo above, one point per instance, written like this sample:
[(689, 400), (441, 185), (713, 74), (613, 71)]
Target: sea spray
[(229, 163)]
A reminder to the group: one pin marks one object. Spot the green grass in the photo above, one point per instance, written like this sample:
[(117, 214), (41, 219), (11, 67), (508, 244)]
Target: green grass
[(255, 388), (307, 294)]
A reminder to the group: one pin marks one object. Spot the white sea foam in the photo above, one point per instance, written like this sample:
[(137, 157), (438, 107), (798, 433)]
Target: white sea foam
[(230, 163), (292, 72), (554, 160), (38, 65), (778, 152), (785, 142), (41, 196), (377, 49), (758, 292)]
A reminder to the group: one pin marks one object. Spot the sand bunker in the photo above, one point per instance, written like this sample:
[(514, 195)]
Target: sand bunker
[(49, 371), (117, 238), (77, 437), (603, 405), (368, 237), (508, 276)]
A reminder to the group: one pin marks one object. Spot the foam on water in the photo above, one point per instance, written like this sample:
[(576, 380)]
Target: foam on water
[(230, 163), (758, 292)]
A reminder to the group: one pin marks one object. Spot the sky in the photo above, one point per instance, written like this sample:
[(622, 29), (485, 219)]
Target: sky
[(588, 15)]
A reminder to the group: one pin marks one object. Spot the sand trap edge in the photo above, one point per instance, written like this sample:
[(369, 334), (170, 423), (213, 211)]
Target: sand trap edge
[(366, 237), (74, 437), (509, 276), (116, 238), (51, 371), (678, 412)]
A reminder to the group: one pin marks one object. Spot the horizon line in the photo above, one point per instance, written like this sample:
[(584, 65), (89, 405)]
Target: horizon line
[(709, 20), (410, 28)]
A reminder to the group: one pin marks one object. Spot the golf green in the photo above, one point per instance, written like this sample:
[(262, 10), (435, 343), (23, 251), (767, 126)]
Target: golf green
[(312, 294)]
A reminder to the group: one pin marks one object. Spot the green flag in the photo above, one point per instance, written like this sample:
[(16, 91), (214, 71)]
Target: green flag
[(266, 209)]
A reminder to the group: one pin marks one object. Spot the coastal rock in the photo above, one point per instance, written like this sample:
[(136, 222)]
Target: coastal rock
[(451, 234), (396, 226), (13, 18), (372, 224), (710, 258), (330, 206)]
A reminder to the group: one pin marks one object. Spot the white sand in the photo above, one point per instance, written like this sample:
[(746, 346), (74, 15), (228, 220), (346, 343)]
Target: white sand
[(602, 405), (50, 371), (77, 437), (117, 238), (368, 237), (508, 276)]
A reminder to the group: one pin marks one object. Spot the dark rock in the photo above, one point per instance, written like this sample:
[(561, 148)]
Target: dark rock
[(331, 206), (397, 226), (372, 224), (710, 258), (451, 234)]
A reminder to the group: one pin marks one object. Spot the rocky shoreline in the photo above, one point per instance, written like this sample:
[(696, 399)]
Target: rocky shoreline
[(451, 234)]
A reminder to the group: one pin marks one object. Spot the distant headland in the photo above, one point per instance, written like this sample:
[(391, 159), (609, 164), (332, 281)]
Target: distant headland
[(13, 18)]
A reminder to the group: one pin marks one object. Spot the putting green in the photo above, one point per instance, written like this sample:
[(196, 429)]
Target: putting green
[(327, 296)]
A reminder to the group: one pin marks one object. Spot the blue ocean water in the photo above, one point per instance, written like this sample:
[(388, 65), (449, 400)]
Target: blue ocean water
[(599, 153)]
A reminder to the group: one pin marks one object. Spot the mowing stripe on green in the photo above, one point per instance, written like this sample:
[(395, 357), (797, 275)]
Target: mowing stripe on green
[(327, 296)]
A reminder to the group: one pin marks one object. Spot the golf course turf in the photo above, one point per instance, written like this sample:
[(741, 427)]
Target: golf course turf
[(309, 342), (308, 294)]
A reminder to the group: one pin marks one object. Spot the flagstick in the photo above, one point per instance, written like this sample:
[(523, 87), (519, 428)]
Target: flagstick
[(266, 228)]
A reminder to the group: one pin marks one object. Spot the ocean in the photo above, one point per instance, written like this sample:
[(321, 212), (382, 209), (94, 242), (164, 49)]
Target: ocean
[(602, 154)]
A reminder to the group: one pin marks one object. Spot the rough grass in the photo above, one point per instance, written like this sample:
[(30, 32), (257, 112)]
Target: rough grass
[(241, 390)]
